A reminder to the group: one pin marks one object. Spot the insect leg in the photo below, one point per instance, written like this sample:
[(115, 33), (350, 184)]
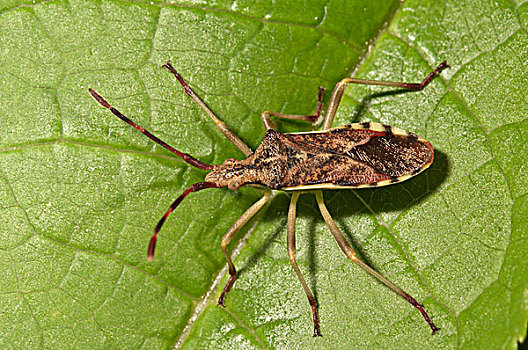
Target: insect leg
[(231, 136), (268, 124), (349, 252), (340, 88), (291, 254), (228, 236)]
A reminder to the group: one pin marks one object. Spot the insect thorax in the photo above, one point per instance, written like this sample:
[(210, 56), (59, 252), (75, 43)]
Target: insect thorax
[(267, 166)]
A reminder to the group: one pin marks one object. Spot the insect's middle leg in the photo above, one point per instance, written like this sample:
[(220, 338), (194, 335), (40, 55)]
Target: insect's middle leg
[(291, 255), (351, 254), (268, 123), (228, 236), (224, 129)]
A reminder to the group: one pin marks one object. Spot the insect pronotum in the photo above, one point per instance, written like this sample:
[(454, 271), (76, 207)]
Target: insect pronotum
[(351, 156)]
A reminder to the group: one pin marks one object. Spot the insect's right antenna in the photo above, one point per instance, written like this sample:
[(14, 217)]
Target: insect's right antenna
[(186, 157), (196, 187)]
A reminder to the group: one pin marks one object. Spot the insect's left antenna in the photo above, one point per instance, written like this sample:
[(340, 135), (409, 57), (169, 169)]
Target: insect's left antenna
[(194, 188), (186, 157)]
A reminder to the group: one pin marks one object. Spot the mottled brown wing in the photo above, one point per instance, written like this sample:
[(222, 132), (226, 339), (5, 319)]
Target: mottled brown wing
[(395, 155), (326, 168), (389, 151), (339, 141)]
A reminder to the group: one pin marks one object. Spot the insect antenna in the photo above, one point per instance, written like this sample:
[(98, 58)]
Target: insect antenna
[(186, 157), (194, 188)]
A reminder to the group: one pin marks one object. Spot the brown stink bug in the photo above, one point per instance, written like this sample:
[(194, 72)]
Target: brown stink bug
[(351, 156)]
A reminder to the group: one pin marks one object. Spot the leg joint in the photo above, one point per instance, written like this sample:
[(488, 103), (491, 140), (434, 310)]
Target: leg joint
[(351, 255)]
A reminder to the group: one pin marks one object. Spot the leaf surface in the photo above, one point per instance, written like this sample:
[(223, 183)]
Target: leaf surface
[(80, 191)]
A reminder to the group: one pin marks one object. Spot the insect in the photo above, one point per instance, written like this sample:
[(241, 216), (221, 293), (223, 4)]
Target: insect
[(346, 157)]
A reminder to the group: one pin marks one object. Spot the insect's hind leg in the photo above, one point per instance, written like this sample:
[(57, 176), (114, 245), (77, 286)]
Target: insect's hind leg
[(228, 236), (339, 89), (291, 255), (231, 136), (268, 123), (349, 252)]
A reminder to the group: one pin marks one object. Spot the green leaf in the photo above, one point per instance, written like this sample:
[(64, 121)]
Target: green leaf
[(81, 191)]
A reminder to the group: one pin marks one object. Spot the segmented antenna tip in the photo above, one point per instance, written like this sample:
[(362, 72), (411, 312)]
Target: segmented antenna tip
[(152, 247)]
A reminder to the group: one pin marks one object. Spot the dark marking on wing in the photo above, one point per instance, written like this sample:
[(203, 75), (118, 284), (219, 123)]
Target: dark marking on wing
[(412, 137), (388, 129), (394, 155), (395, 180)]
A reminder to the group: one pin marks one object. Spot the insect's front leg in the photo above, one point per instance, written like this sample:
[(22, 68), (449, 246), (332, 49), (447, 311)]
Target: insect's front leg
[(268, 123), (224, 129), (351, 254), (228, 236), (291, 255)]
